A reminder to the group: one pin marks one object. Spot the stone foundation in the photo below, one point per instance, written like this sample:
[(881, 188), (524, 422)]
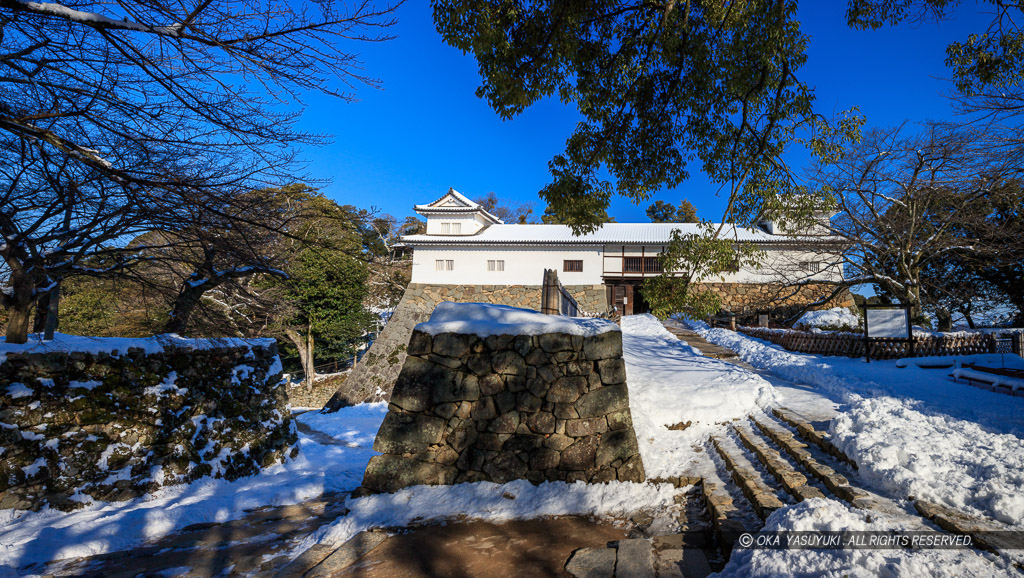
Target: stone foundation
[(115, 425), (746, 299), (506, 407), (373, 377)]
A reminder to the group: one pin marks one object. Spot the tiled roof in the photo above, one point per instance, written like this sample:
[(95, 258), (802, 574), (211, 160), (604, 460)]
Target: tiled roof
[(470, 207), (610, 233)]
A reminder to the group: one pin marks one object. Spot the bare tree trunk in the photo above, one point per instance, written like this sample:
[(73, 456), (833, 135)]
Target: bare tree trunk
[(186, 302), (305, 347), (21, 306), (310, 371), (945, 319), (52, 311)]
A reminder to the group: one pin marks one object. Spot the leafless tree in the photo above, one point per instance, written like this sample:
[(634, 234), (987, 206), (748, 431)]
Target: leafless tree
[(903, 198), (137, 113)]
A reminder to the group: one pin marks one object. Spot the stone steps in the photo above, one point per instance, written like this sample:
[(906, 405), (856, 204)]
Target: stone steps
[(985, 534), (812, 435), (792, 481), (761, 496), (834, 481), (727, 520)]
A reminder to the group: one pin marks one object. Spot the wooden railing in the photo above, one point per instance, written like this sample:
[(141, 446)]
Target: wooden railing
[(852, 345), (556, 299)]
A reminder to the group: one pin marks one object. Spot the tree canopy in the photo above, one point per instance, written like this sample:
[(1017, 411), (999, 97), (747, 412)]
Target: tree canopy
[(662, 212)]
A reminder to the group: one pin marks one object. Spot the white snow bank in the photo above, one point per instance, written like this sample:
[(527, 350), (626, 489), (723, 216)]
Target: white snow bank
[(835, 318), (516, 500), (949, 461), (669, 385), (994, 360), (912, 431), (64, 343), (975, 375), (484, 319), (97, 528), (824, 515)]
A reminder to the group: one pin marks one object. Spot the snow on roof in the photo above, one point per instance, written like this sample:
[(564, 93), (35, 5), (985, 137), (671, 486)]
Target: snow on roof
[(625, 233), (484, 319)]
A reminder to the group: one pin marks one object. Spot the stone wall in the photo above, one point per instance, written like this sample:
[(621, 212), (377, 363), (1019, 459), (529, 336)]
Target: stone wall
[(117, 424), (746, 299), (372, 378), (375, 374), (545, 407)]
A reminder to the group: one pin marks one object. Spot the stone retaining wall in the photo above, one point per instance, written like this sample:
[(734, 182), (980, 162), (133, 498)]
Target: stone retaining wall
[(373, 377), (505, 407), (115, 425), (745, 299)]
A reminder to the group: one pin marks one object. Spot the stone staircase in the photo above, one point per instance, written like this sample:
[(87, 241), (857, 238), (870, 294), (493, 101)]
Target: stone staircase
[(782, 458)]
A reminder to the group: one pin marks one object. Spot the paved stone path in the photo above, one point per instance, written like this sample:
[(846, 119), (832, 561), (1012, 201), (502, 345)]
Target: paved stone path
[(699, 343)]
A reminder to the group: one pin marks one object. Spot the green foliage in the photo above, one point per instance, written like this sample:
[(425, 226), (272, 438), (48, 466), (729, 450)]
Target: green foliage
[(689, 259), (662, 212), (551, 217), (327, 290), (86, 309), (658, 85), (687, 213)]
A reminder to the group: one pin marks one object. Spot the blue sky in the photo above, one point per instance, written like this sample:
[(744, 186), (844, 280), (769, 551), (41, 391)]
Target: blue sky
[(425, 130)]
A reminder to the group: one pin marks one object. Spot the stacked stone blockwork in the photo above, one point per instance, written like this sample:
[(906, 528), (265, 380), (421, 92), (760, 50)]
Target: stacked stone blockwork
[(114, 425), (539, 407)]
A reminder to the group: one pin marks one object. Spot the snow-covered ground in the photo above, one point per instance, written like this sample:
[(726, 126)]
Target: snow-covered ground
[(668, 384), (31, 537), (913, 431)]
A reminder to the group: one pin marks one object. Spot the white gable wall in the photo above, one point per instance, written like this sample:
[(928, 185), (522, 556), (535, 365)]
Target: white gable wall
[(469, 224)]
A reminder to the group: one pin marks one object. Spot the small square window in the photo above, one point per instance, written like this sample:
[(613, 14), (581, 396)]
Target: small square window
[(444, 265), (572, 266), (810, 267), (495, 265)]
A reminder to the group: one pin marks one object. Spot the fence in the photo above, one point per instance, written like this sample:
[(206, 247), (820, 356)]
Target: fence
[(555, 299), (852, 345)]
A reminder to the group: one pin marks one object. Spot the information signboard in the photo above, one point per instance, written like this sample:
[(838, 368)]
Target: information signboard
[(887, 322)]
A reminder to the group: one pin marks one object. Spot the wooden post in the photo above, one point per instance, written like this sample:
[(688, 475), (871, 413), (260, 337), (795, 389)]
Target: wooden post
[(1017, 342), (993, 343)]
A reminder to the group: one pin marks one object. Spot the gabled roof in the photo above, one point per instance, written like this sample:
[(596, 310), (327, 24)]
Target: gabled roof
[(610, 233), (454, 202)]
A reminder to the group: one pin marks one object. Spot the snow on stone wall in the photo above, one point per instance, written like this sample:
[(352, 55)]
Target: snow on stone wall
[(112, 423), (491, 406)]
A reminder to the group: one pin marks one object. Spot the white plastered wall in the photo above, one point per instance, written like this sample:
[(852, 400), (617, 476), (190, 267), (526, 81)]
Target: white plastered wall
[(522, 265), (469, 224)]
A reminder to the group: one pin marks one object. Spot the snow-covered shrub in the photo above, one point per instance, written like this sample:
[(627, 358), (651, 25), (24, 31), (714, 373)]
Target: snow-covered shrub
[(835, 319)]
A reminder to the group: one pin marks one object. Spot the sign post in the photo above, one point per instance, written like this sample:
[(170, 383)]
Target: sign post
[(887, 323), (762, 319)]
